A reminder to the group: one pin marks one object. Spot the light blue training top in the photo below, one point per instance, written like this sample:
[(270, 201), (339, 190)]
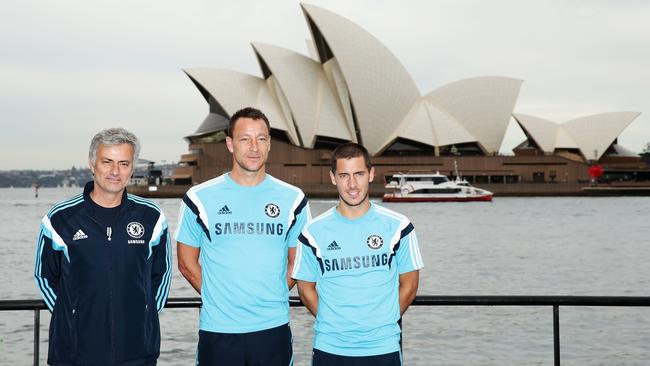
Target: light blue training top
[(356, 266), (244, 234)]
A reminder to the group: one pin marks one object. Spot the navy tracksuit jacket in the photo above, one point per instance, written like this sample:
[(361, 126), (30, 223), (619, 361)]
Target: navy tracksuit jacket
[(104, 285)]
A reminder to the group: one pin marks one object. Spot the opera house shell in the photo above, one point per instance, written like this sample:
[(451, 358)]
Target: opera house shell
[(587, 138), (352, 88)]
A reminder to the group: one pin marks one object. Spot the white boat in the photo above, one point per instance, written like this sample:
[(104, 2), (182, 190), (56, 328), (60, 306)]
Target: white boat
[(432, 187)]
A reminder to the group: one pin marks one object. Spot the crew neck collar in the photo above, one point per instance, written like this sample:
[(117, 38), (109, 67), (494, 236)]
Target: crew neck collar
[(361, 218)]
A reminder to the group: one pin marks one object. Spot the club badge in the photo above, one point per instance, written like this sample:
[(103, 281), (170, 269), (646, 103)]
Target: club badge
[(374, 241), (272, 210), (135, 230)]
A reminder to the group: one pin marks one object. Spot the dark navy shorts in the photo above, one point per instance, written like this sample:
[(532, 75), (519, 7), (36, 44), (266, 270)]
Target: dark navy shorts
[(321, 358), (270, 347)]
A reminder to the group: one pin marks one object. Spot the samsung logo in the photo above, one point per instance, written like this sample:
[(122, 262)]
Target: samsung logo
[(347, 263), (248, 228)]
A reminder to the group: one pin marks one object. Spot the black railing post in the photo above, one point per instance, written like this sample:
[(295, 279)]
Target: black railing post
[(556, 334), (37, 331)]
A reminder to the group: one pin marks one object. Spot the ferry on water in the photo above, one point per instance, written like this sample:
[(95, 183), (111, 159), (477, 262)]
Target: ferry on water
[(432, 187)]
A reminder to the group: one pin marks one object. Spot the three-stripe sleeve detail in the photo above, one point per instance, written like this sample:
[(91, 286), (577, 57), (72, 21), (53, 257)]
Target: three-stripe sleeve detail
[(165, 284), (65, 204), (161, 230), (416, 256), (48, 294)]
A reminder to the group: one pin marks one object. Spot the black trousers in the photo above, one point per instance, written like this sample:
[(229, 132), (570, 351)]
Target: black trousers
[(269, 347), (320, 358)]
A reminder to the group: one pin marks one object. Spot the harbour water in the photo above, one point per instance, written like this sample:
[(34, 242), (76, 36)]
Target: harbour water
[(512, 246)]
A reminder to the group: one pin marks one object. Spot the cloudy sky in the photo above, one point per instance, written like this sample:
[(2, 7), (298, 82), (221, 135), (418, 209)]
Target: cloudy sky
[(70, 68)]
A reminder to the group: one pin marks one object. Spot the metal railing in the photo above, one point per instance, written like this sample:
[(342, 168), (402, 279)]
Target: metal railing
[(552, 301)]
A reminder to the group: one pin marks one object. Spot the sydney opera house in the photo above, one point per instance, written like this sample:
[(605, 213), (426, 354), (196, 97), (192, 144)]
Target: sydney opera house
[(352, 88)]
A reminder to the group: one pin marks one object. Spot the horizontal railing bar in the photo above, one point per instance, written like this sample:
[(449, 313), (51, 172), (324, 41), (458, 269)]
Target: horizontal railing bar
[(464, 300), (422, 300), (24, 304)]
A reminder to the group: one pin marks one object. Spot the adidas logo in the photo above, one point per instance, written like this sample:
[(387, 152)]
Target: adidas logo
[(333, 246), (224, 211), (79, 235)]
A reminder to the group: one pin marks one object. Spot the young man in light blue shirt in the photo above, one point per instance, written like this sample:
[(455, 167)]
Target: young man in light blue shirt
[(357, 268), (236, 246)]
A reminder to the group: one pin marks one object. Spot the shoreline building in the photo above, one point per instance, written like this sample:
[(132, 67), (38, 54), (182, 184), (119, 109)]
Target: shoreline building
[(353, 88)]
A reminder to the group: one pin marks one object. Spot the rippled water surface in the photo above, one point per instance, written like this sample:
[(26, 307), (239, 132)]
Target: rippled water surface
[(512, 246)]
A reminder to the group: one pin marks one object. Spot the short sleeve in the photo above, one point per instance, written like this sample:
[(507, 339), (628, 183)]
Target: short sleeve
[(302, 216), (190, 230), (408, 254), (306, 267)]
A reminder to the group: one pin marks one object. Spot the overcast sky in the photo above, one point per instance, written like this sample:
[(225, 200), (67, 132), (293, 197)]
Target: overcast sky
[(71, 68)]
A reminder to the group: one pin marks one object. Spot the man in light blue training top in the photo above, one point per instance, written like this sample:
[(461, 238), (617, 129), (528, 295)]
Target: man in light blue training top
[(243, 227), (357, 270)]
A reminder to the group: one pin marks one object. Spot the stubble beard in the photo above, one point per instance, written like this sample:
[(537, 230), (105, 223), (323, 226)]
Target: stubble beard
[(246, 169), (365, 198)]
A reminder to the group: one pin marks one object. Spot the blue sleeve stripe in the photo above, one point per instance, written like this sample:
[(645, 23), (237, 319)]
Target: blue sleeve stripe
[(157, 241), (301, 206), (406, 231), (46, 291), (56, 241), (306, 242), (163, 289), (143, 201), (303, 240), (392, 255), (65, 204), (195, 210), (159, 229), (297, 212)]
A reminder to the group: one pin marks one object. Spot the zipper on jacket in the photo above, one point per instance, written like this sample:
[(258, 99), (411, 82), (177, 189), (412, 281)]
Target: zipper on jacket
[(111, 310), (111, 306)]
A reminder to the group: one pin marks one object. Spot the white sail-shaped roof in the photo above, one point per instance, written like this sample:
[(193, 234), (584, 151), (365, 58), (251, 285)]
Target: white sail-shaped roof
[(564, 140), (381, 90), (482, 105), (359, 91), (592, 135), (249, 91), (448, 129), (313, 105), (596, 132), (353, 88), (417, 126), (543, 132), (431, 125), (624, 152)]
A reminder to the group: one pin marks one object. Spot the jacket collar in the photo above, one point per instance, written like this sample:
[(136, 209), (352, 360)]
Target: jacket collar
[(87, 200)]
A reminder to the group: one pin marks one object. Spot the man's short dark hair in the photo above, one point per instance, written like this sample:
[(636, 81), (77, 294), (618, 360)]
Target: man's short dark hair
[(248, 112), (348, 151)]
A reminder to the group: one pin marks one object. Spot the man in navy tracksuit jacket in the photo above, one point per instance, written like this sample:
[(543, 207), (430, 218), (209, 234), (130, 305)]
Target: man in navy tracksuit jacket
[(103, 265)]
